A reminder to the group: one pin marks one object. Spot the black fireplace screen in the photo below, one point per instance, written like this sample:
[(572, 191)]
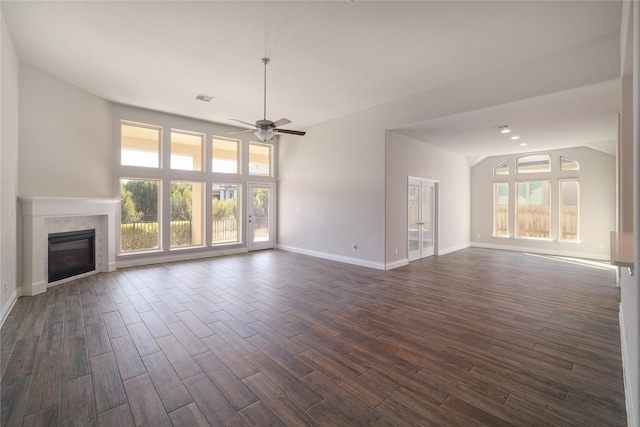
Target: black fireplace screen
[(71, 253)]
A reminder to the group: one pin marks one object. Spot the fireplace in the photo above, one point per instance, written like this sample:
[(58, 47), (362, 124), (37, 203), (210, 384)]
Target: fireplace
[(71, 253)]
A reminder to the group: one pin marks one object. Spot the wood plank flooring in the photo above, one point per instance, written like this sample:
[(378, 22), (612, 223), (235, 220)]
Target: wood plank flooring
[(476, 337)]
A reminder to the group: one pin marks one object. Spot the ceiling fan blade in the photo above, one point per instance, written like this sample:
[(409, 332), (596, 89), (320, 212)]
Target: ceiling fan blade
[(241, 131), (292, 132), (281, 122), (245, 123)]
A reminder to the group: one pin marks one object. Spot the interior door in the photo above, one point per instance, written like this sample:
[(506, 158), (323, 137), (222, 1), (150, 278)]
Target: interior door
[(422, 220), (261, 217)]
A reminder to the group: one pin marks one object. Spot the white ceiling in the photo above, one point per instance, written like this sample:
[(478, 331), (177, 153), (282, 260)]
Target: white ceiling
[(328, 59)]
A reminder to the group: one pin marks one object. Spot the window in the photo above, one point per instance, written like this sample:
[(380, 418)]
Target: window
[(224, 155), (501, 209), (533, 209), (186, 150), (502, 168), (569, 210), (186, 214), (139, 215), (181, 194), (139, 145), (569, 164), (533, 163), (225, 213), (259, 159)]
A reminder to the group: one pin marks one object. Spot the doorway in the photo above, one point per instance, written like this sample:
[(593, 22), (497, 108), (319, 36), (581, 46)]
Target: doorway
[(423, 218), (261, 217)]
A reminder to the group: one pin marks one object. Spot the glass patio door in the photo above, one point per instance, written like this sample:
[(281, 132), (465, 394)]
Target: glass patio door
[(422, 220), (261, 217)]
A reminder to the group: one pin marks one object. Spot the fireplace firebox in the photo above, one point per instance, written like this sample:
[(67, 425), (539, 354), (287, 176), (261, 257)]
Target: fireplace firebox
[(71, 253)]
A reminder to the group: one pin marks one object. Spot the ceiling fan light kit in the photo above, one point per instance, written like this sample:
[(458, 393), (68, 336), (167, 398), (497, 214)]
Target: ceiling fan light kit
[(266, 129)]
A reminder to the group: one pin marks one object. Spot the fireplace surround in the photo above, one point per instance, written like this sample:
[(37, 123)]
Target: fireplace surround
[(44, 215)]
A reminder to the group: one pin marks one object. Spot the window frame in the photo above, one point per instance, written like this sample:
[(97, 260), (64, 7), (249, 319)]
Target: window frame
[(160, 130), (561, 205), (517, 208), (495, 205), (504, 164), (202, 149), (238, 143), (270, 148), (239, 214), (520, 171)]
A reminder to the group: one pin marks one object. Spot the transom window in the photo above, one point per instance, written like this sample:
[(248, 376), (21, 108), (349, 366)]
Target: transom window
[(533, 163), (186, 150), (224, 155), (569, 164), (502, 168), (140, 145), (259, 159)]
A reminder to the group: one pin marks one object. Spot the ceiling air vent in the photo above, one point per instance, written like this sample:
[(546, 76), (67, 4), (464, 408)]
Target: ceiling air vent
[(205, 98)]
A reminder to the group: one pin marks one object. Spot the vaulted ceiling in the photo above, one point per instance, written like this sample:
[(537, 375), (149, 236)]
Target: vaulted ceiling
[(328, 59)]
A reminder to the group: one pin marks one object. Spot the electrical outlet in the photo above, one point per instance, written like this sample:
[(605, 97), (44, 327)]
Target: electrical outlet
[(354, 247), (478, 236), (300, 240), (396, 251)]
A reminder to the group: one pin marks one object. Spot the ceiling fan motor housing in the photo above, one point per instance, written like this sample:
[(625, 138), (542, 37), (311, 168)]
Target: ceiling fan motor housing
[(264, 124)]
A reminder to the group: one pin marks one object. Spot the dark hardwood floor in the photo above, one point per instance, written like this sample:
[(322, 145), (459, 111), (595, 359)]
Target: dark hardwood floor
[(475, 337)]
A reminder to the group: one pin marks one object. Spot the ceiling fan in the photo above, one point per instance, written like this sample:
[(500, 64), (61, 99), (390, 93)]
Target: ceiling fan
[(266, 129)]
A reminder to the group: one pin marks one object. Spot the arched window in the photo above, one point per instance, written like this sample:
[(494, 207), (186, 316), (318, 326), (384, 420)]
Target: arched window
[(502, 168), (533, 163), (569, 164)]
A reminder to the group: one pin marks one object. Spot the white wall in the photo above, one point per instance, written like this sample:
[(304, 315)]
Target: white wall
[(65, 139), (332, 181), (9, 65), (597, 176), (331, 191), (407, 157)]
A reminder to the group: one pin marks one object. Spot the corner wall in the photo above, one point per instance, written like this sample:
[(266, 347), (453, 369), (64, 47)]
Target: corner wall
[(65, 139), (407, 157), (9, 65)]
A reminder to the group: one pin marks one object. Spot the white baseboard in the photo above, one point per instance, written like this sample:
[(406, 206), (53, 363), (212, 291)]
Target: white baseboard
[(8, 307), (136, 261), (333, 257), (445, 251), (396, 264), (629, 400), (571, 254)]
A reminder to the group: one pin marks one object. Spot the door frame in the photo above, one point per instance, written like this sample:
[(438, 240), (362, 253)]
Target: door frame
[(271, 242), (413, 180)]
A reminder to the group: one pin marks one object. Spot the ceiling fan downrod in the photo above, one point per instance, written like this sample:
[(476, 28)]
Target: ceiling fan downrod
[(265, 61)]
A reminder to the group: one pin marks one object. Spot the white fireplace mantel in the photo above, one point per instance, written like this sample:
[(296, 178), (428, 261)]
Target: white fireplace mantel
[(35, 212)]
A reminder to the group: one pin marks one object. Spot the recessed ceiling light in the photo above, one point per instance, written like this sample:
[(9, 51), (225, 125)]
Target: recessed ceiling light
[(505, 131), (205, 98), (522, 144), (515, 137)]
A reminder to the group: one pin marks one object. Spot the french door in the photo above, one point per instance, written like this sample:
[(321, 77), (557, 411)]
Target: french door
[(423, 217), (261, 217)]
